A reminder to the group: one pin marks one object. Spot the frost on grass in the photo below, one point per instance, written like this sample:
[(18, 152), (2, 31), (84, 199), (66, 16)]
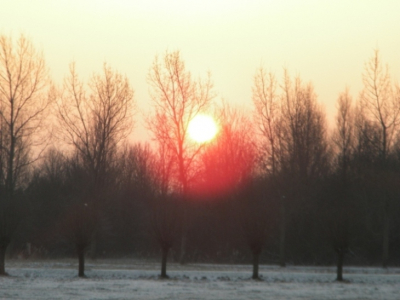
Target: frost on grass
[(136, 280)]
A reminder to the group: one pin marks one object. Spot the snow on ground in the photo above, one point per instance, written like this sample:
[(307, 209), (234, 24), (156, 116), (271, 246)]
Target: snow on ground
[(129, 279)]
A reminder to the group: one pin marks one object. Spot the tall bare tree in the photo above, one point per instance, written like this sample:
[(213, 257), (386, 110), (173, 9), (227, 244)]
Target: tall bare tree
[(381, 103), (304, 151), (268, 116), (94, 122), (304, 131), (24, 99), (293, 130), (177, 98), (340, 208)]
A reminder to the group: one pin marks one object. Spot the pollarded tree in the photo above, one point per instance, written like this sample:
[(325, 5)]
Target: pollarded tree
[(149, 174), (339, 200), (256, 215), (381, 102), (24, 98), (177, 98), (166, 213), (79, 219), (94, 122), (268, 116)]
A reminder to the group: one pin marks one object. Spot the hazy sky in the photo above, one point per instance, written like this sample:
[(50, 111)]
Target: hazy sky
[(326, 42)]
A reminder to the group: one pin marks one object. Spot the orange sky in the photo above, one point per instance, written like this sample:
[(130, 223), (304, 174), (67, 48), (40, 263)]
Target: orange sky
[(326, 42)]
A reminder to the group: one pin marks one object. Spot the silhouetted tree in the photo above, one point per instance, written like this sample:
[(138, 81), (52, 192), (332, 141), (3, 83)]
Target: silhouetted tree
[(79, 220), (268, 117), (340, 208), (24, 98), (177, 98), (94, 125), (130, 211), (165, 204), (46, 192), (381, 103), (256, 210), (229, 169), (294, 145), (304, 155)]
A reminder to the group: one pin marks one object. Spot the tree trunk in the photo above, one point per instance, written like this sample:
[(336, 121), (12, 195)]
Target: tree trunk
[(3, 248), (386, 231), (182, 258), (93, 247), (81, 259), (339, 267), (164, 256), (282, 240), (256, 257)]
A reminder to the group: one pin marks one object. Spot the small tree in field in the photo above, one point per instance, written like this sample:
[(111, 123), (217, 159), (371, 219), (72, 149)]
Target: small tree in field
[(177, 98), (340, 191), (256, 211), (94, 122), (24, 99)]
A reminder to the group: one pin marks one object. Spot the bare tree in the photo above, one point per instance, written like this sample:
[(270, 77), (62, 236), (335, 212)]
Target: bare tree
[(381, 102), (256, 217), (304, 152), (177, 98), (24, 98), (268, 116), (343, 136), (94, 122), (304, 131), (340, 210), (293, 135)]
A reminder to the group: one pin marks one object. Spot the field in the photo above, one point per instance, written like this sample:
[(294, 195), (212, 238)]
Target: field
[(130, 279)]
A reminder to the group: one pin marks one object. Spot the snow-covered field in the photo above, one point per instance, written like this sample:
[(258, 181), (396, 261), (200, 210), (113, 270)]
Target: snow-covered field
[(129, 279)]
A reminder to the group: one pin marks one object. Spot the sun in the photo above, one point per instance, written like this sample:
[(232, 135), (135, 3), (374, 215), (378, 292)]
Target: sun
[(202, 128)]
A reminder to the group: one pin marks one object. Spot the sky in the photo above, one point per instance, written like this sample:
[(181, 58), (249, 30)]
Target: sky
[(325, 42)]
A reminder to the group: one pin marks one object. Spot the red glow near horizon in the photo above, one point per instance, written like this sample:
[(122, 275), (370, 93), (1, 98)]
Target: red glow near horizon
[(227, 163)]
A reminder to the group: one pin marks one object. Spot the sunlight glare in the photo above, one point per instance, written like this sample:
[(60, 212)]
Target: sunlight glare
[(202, 128)]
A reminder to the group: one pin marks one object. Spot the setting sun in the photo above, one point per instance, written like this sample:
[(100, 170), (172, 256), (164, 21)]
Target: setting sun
[(202, 128)]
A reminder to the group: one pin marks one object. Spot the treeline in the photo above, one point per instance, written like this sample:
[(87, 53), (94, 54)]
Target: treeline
[(276, 187)]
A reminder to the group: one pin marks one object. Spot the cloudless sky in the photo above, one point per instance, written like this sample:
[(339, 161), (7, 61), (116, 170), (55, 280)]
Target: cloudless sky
[(324, 41)]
